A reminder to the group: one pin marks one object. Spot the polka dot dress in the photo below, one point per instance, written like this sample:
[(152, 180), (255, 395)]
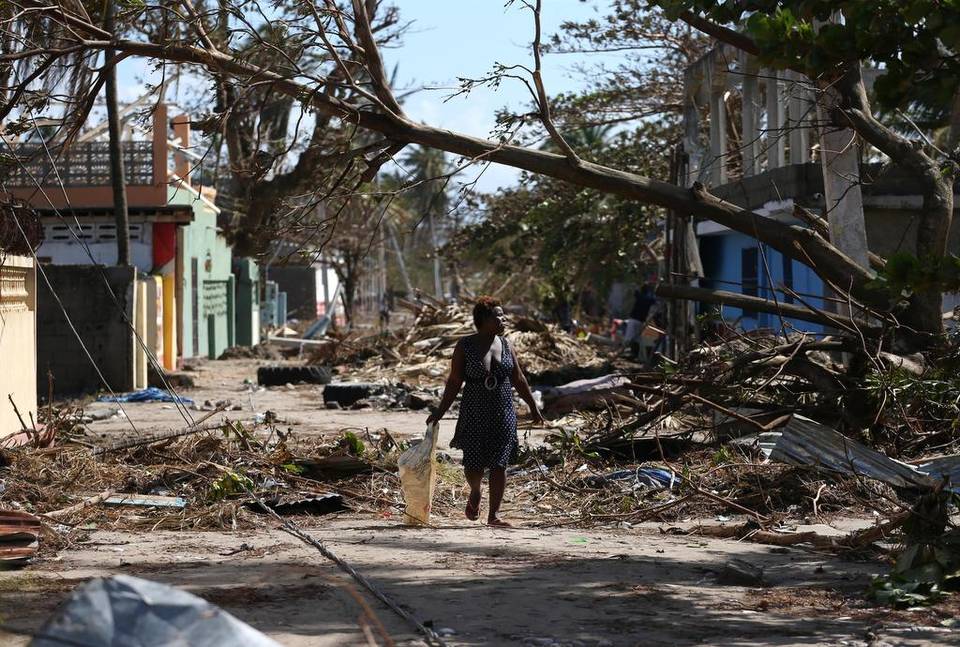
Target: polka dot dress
[(487, 424)]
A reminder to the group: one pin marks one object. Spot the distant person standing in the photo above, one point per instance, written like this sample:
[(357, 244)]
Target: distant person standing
[(384, 311), (643, 302), (561, 312)]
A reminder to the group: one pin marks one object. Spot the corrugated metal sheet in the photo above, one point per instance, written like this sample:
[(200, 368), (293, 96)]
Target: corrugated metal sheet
[(947, 467), (19, 537), (805, 442)]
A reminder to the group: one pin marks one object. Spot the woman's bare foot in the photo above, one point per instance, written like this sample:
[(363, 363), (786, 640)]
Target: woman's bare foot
[(497, 522), (472, 511)]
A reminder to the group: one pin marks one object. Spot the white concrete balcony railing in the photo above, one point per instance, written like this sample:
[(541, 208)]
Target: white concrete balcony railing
[(741, 119)]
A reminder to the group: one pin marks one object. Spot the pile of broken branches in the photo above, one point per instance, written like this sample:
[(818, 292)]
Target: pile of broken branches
[(422, 353)]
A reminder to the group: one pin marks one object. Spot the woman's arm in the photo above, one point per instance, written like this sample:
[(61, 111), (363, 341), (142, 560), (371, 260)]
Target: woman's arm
[(520, 384), (454, 382)]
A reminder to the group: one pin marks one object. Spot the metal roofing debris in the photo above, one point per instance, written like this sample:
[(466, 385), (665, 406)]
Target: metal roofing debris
[(805, 442), (19, 537), (309, 503)]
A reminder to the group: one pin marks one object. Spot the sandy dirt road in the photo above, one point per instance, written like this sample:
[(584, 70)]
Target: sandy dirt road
[(477, 586)]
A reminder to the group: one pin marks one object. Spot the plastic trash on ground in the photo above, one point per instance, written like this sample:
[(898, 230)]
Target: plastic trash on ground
[(652, 478), (124, 610), (150, 394), (418, 476)]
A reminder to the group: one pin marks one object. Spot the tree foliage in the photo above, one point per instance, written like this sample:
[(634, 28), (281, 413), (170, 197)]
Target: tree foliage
[(565, 238), (646, 82), (337, 75)]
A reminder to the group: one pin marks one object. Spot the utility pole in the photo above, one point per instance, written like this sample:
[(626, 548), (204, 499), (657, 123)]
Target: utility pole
[(117, 179), (437, 282), (392, 234), (382, 261)]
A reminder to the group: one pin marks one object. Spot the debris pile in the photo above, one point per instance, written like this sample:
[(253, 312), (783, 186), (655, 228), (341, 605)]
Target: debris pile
[(260, 351), (422, 353), (210, 478), (765, 433), (759, 433)]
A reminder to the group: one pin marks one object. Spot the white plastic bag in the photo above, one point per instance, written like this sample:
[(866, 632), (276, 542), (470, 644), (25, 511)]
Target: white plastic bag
[(418, 475)]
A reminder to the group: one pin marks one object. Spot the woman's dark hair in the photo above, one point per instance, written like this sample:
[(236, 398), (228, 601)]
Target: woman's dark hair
[(483, 309)]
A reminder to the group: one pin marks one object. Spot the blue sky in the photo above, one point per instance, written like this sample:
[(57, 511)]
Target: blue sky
[(464, 38), (458, 38)]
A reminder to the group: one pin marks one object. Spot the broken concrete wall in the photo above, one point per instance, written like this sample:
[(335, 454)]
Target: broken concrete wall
[(18, 348), (101, 324)]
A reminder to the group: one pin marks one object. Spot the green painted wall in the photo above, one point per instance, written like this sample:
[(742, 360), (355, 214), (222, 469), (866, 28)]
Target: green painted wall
[(204, 252)]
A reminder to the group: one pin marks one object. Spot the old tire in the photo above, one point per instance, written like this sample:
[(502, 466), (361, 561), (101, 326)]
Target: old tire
[(349, 393), (280, 375)]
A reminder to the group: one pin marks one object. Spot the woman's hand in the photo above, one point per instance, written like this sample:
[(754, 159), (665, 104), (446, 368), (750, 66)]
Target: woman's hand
[(537, 418), (434, 418)]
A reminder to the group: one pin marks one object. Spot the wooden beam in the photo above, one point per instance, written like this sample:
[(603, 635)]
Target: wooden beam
[(759, 304)]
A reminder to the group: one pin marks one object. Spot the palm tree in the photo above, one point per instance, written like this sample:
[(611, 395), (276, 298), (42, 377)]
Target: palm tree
[(583, 138), (428, 169)]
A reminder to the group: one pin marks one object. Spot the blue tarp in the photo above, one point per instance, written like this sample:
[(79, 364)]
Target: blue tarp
[(652, 477), (150, 394), (645, 477)]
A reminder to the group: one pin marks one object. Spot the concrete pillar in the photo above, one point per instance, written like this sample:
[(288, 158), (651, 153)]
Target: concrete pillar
[(718, 137), (840, 162), (750, 131), (140, 325), (169, 322), (181, 131), (799, 104), (231, 311), (159, 139), (691, 140), (774, 144), (154, 321), (247, 306), (326, 289), (281, 309), (18, 343)]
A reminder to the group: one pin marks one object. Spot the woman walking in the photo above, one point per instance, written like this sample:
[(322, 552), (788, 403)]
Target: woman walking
[(487, 424)]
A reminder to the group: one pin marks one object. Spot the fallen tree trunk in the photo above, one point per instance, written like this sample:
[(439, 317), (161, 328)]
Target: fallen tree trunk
[(581, 394), (858, 539), (800, 243), (820, 226), (77, 507), (748, 302)]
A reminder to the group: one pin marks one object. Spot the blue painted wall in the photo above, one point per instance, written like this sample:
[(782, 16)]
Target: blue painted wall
[(723, 256)]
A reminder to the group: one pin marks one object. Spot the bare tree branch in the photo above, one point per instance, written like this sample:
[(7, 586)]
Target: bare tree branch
[(721, 33), (542, 100), (759, 304), (364, 33), (793, 241)]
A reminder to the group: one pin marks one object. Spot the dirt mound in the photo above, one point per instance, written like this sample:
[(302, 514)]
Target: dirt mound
[(261, 351)]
